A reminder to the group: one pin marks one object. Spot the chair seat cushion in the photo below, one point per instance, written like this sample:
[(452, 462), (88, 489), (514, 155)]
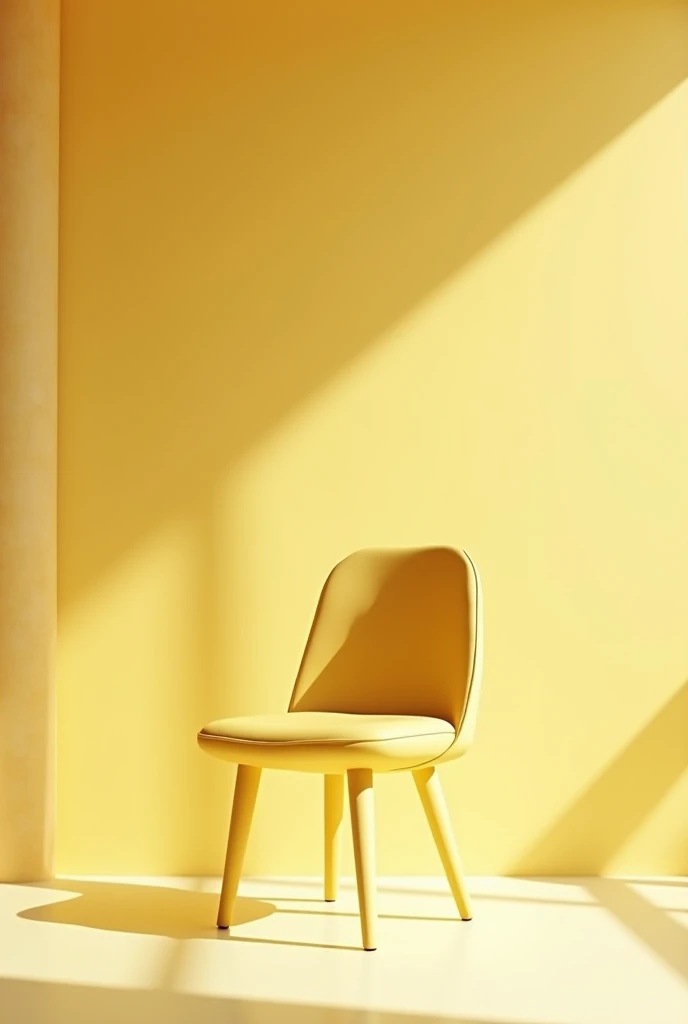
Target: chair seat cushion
[(323, 741)]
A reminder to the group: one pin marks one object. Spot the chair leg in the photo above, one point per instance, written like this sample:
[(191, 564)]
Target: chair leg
[(431, 796), (334, 810), (363, 829), (245, 792)]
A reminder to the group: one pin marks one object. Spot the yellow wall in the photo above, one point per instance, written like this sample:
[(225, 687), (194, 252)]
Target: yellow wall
[(338, 275)]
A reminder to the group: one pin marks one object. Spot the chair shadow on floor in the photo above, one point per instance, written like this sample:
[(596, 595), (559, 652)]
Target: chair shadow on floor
[(167, 911), (173, 912), (176, 913)]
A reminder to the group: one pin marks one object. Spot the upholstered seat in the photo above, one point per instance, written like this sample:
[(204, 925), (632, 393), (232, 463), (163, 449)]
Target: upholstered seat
[(322, 741), (389, 681)]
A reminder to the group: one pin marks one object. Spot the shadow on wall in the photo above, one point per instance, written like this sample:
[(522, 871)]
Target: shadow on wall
[(608, 813), (270, 187), (248, 200)]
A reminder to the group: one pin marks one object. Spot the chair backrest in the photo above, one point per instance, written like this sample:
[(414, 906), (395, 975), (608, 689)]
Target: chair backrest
[(397, 633)]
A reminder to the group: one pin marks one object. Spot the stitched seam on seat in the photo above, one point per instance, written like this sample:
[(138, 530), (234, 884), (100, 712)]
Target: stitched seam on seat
[(313, 742)]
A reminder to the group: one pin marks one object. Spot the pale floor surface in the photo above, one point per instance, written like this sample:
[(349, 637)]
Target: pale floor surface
[(555, 951)]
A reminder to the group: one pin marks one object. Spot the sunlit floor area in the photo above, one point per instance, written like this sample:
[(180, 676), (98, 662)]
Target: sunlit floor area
[(550, 951)]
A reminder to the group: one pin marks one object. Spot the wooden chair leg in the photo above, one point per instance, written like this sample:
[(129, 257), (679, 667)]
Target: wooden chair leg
[(363, 829), (430, 792), (334, 811), (245, 792)]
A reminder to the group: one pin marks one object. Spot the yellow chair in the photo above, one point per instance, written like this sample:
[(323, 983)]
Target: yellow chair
[(389, 681)]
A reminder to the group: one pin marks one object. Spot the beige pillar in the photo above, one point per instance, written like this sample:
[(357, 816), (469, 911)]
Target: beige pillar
[(29, 110)]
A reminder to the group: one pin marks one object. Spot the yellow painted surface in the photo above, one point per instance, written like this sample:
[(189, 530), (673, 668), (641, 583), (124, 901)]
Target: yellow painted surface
[(341, 276), (146, 949), (29, 152)]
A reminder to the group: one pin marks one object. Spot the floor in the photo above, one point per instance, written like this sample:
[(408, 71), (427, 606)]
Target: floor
[(555, 951)]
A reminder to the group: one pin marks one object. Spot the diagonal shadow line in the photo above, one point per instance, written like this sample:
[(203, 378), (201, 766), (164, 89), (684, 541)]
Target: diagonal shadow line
[(605, 816), (416, 158), (667, 939), (652, 925), (418, 211)]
